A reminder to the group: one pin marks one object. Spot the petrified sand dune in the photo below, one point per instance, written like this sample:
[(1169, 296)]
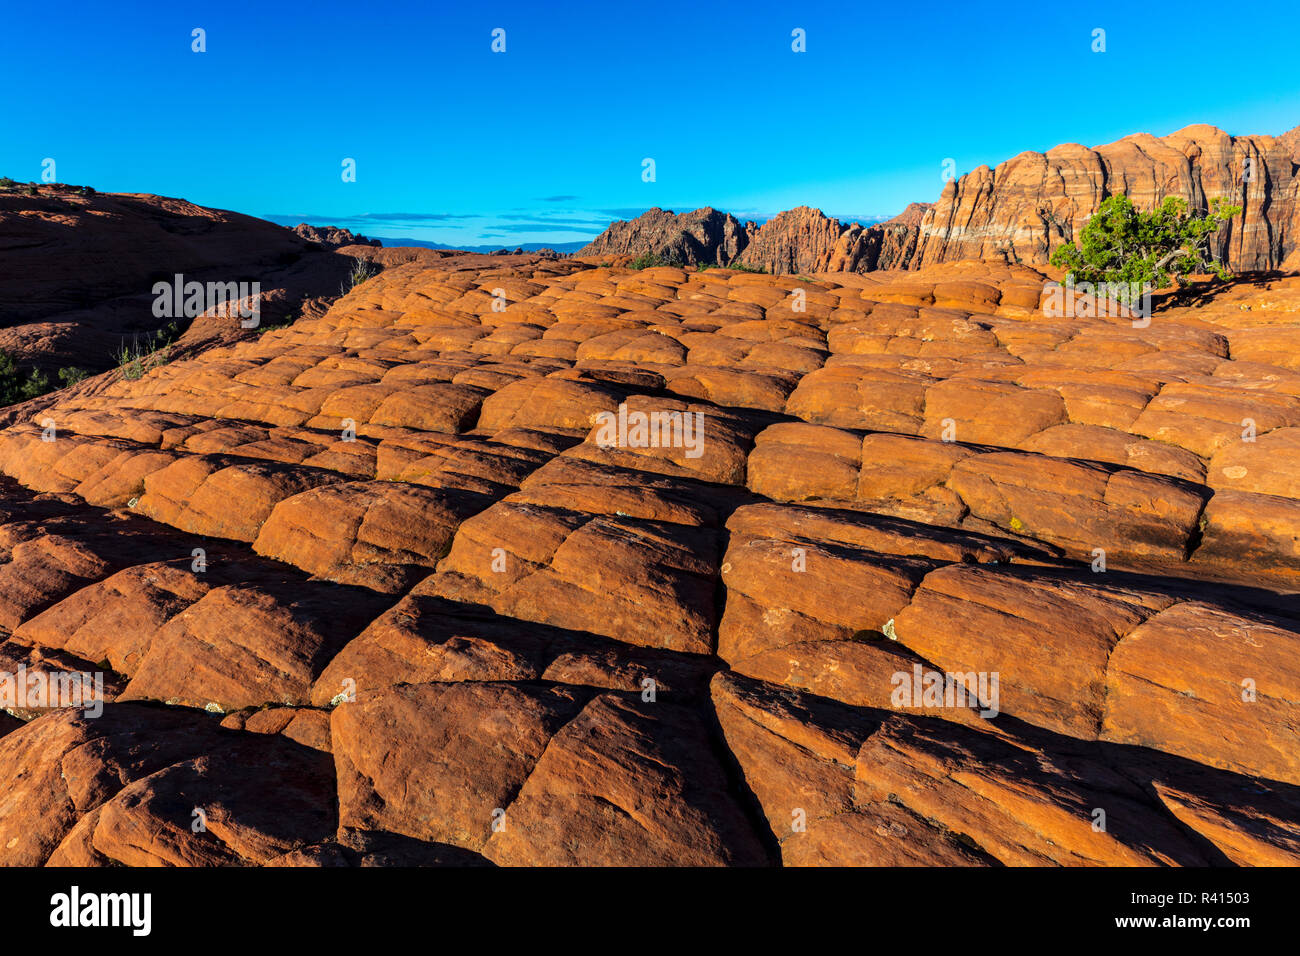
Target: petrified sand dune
[(54, 316), (376, 588)]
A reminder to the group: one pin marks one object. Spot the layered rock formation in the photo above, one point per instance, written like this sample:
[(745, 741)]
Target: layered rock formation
[(1027, 206), (1030, 204), (378, 588)]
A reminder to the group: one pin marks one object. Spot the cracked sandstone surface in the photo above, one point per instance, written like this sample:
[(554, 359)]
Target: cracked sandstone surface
[(549, 651)]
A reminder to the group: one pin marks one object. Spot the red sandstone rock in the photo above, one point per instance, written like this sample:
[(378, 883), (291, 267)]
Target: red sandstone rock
[(385, 550), (626, 784)]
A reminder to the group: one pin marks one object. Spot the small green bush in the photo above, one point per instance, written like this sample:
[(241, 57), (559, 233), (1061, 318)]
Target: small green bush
[(649, 260), (145, 353), (19, 386), (276, 326), (734, 266), (362, 269), (37, 384)]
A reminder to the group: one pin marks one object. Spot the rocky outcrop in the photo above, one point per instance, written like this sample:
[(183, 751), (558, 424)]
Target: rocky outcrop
[(943, 581), (332, 236), (806, 240), (703, 237), (891, 244), (799, 240)]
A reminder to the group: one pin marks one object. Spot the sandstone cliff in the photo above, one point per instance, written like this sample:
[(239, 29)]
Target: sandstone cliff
[(1032, 203), (1017, 212)]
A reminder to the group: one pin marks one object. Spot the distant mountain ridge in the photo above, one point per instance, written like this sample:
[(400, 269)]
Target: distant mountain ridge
[(798, 240), (561, 247)]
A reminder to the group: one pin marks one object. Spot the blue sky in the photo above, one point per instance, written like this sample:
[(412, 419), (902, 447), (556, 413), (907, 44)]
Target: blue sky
[(545, 142)]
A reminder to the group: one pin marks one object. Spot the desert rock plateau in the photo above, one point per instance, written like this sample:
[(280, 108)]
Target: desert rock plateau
[(374, 588)]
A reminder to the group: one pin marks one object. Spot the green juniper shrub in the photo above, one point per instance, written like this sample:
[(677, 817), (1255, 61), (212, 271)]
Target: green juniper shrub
[(145, 353), (17, 385), (650, 260), (1122, 245)]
